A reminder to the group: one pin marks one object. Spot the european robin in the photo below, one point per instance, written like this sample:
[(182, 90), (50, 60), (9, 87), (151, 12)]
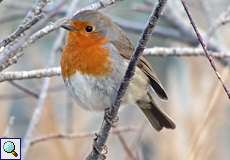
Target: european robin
[(93, 63)]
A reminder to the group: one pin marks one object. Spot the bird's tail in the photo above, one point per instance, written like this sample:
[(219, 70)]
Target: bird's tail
[(156, 116)]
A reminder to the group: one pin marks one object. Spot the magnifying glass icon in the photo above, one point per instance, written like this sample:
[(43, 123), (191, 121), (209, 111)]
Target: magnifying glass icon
[(9, 147)]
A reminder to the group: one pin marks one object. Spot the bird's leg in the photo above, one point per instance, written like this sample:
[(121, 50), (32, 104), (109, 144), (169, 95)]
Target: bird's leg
[(109, 118)]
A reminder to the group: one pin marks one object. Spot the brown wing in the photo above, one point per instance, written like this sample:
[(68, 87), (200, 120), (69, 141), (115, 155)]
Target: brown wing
[(156, 116), (126, 49)]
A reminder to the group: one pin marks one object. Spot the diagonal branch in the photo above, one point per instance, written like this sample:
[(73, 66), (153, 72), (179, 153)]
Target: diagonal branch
[(20, 30), (113, 111), (8, 127), (205, 49), (20, 45), (221, 20), (24, 89), (35, 10)]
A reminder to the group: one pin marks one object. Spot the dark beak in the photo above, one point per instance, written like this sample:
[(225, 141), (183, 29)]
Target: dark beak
[(68, 27)]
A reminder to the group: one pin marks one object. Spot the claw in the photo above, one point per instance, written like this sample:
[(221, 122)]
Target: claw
[(95, 143), (109, 119), (96, 148), (105, 149)]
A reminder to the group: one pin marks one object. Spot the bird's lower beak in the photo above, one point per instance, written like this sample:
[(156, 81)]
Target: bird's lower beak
[(68, 27)]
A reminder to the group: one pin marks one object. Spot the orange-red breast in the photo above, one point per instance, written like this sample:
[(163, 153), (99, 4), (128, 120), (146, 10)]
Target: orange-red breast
[(94, 61)]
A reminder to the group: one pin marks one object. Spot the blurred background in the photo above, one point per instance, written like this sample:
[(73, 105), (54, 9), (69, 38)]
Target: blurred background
[(197, 102)]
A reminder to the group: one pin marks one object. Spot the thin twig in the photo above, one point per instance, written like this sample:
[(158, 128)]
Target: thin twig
[(137, 139), (221, 20), (139, 153), (137, 27), (80, 135), (205, 49), (178, 21), (18, 95), (23, 42), (35, 10), (125, 145), (178, 51), (26, 90), (20, 30), (8, 127), (135, 143), (113, 111), (20, 6), (39, 73)]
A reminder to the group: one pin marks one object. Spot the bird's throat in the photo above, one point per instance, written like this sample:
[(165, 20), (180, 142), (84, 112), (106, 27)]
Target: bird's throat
[(86, 54)]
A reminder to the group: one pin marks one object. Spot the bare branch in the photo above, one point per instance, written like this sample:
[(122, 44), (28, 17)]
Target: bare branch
[(35, 118), (178, 51), (138, 136), (205, 50), (80, 135), (22, 44), (139, 153), (125, 145), (18, 95), (35, 10), (10, 61), (10, 123), (113, 111), (26, 90), (159, 31), (6, 76), (19, 31), (221, 20)]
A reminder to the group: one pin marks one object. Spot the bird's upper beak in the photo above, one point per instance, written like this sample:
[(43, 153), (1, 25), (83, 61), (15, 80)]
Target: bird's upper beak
[(68, 27)]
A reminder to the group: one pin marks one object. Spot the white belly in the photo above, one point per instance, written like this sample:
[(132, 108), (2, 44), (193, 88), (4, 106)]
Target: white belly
[(98, 93)]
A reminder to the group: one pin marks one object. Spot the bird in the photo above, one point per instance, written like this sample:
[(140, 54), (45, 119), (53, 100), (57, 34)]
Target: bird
[(93, 62)]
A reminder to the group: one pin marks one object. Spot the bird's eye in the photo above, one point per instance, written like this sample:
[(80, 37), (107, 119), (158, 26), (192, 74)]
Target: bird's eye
[(89, 29)]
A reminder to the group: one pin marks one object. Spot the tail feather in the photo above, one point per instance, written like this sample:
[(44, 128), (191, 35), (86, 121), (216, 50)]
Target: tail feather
[(156, 116)]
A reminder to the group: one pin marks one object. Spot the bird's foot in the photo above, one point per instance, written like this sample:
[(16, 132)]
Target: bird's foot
[(109, 118), (95, 147)]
